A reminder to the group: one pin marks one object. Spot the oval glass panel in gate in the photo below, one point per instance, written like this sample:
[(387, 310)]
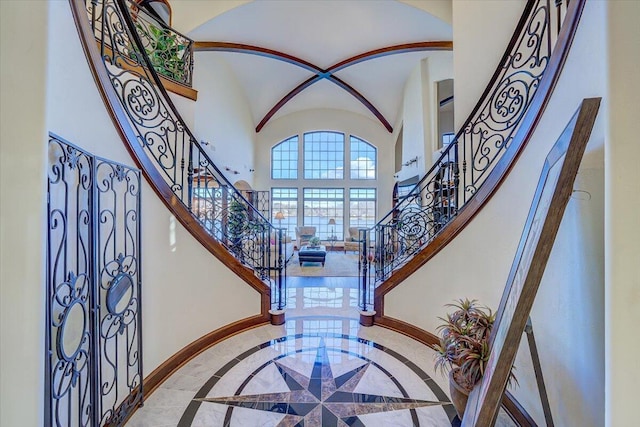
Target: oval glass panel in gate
[(120, 293), (72, 330)]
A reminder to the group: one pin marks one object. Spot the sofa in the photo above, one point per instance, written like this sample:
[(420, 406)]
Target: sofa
[(287, 249)]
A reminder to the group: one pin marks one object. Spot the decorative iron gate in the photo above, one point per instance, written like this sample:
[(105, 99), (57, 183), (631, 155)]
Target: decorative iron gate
[(93, 335)]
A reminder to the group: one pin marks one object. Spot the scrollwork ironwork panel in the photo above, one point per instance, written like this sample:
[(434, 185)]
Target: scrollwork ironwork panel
[(488, 133), (419, 216), (69, 335), (117, 194), (160, 132), (78, 393)]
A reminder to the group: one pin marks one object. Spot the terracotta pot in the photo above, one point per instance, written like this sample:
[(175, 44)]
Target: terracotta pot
[(459, 394)]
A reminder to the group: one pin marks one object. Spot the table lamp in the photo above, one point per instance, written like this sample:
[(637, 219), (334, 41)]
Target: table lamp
[(279, 217)]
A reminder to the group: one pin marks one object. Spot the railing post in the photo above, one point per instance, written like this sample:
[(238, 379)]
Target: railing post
[(365, 301), (456, 178), (277, 315), (190, 177), (559, 14)]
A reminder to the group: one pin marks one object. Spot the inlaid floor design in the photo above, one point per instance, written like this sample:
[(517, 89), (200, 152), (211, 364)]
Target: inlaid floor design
[(321, 368)]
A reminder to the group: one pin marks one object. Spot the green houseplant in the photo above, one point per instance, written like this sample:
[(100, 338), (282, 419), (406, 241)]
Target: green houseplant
[(314, 241), (464, 348), (165, 51), (237, 221)]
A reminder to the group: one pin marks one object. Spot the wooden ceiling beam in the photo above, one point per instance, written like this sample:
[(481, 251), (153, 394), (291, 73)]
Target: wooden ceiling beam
[(320, 73)]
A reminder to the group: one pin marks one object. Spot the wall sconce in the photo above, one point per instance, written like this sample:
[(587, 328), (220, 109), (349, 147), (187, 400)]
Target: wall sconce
[(411, 161), (228, 169)]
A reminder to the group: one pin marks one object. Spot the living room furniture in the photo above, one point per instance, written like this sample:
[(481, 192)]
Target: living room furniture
[(312, 254), (352, 242), (287, 249), (304, 234)]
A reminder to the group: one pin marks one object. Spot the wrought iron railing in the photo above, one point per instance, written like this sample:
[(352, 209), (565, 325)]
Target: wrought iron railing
[(466, 163), (169, 52), (177, 156)]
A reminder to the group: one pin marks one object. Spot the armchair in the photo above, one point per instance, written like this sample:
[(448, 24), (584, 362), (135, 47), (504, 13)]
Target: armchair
[(303, 234), (351, 242)]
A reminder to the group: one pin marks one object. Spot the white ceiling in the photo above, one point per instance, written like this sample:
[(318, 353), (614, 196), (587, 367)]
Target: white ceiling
[(323, 33)]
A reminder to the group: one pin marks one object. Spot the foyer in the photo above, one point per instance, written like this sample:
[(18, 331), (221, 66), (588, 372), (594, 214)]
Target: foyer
[(321, 368)]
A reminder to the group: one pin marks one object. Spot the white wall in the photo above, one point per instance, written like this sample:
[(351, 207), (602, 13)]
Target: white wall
[(189, 14), (438, 67), (419, 113), (477, 262), (223, 117), (186, 291), (481, 32), (23, 38), (411, 121), (333, 120), (622, 223)]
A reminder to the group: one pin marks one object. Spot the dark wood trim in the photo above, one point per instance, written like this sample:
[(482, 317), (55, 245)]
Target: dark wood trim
[(516, 411), (179, 359), (504, 165), (322, 73), (170, 85), (404, 328), (288, 97), (209, 46), (392, 50), (175, 362), (179, 89), (150, 172), (360, 97)]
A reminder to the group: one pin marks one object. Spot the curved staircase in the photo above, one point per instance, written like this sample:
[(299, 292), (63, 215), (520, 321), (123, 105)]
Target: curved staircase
[(423, 222)]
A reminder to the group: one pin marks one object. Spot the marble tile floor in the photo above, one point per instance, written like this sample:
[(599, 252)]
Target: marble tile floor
[(321, 368)]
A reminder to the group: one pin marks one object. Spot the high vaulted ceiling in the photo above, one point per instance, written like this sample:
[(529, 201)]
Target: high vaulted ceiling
[(319, 35)]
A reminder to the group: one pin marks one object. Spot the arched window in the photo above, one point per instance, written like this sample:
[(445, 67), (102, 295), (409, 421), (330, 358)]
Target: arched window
[(343, 200), (363, 159), (284, 159)]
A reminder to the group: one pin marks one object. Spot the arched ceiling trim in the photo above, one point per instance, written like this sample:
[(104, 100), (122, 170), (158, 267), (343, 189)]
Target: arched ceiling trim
[(320, 73)]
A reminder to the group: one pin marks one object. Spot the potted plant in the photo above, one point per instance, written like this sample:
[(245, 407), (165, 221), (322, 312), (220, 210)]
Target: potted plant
[(464, 348), (314, 242), (237, 224)]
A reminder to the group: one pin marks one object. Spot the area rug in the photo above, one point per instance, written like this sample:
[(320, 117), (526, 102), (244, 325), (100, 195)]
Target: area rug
[(337, 264)]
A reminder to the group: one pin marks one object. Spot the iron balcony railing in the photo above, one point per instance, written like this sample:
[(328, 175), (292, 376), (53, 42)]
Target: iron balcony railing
[(168, 51), (466, 163), (177, 156)]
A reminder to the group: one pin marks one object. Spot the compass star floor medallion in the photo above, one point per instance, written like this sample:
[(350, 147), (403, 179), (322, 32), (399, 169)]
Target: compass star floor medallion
[(322, 398)]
